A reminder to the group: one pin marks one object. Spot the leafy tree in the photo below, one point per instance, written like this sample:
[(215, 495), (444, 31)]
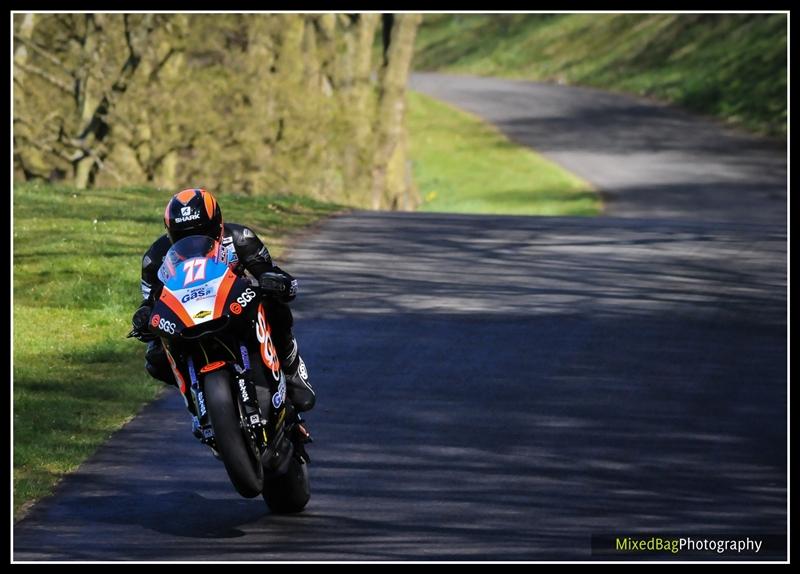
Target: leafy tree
[(286, 103)]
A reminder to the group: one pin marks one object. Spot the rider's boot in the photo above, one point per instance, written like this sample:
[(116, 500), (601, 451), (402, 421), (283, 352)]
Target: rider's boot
[(300, 391)]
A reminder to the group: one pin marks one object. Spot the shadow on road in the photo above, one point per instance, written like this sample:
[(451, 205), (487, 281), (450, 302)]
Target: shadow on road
[(517, 266), (488, 388)]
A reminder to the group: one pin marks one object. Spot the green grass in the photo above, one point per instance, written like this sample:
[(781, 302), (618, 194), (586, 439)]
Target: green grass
[(461, 164), (733, 66), (77, 262)]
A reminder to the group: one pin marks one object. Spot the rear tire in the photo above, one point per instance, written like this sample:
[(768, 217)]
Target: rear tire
[(244, 469), (288, 493)]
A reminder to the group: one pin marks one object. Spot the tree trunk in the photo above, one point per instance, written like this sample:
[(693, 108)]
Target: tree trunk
[(357, 106), (94, 107), (165, 173), (88, 95), (24, 155), (391, 107)]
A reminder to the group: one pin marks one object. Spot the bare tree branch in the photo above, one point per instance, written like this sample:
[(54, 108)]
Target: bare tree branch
[(63, 86), (34, 47), (96, 122), (45, 147), (160, 65)]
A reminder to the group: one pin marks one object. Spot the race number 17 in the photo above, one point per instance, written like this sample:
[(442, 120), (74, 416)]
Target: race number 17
[(195, 270)]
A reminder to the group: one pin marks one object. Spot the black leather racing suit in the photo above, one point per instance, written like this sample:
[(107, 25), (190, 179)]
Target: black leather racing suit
[(246, 253)]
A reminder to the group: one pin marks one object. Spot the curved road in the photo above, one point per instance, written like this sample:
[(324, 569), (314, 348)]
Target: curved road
[(646, 159), (503, 388)]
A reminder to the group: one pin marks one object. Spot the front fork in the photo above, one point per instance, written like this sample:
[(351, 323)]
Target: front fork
[(277, 438), (269, 436)]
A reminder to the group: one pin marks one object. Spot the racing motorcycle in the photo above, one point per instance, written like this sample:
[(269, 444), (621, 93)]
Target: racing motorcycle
[(216, 334)]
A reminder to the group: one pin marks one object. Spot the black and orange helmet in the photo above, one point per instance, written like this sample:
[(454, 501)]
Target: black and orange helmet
[(193, 212)]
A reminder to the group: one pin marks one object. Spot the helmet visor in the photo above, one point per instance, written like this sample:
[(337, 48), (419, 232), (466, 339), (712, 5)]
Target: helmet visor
[(209, 229)]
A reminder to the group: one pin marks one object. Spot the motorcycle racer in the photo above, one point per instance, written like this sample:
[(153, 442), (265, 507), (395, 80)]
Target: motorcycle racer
[(195, 211)]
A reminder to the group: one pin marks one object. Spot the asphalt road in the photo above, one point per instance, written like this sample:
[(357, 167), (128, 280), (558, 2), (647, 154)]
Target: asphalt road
[(495, 388), (646, 159)]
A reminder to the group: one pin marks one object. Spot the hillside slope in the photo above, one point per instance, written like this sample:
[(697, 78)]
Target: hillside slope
[(733, 66)]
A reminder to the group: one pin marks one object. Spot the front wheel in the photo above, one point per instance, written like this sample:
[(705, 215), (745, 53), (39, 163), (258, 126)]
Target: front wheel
[(243, 468), (289, 492)]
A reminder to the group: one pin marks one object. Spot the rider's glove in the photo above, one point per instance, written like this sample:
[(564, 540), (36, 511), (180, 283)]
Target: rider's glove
[(278, 284), (140, 320)]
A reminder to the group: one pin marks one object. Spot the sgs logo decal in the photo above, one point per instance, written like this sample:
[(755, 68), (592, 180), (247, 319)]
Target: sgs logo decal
[(166, 326), (246, 297)]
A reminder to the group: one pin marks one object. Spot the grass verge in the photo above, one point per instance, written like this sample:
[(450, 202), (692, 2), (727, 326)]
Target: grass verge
[(77, 262), (462, 164)]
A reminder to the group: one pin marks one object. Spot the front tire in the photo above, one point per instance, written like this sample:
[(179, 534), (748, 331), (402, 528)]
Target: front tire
[(289, 492), (243, 468)]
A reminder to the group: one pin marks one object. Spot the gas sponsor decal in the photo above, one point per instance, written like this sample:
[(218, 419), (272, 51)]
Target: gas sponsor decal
[(202, 314), (198, 293)]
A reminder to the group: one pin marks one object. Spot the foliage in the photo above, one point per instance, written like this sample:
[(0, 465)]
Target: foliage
[(248, 103)]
